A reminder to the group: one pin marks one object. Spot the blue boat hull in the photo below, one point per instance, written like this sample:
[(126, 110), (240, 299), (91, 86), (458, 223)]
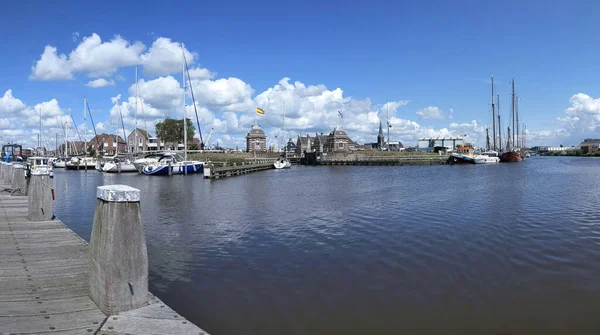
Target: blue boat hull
[(163, 170)]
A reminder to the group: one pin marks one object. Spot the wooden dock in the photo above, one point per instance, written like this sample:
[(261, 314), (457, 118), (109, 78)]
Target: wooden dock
[(215, 172), (44, 283)]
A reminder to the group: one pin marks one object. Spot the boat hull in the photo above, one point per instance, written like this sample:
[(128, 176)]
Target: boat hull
[(114, 168), (460, 159), (80, 167), (165, 170), (482, 159), (511, 157)]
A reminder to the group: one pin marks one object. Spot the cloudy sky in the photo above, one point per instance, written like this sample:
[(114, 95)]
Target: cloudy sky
[(428, 64)]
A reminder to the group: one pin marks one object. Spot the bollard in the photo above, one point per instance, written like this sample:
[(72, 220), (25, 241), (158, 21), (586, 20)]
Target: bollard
[(40, 196), (170, 169), (119, 167), (7, 173), (19, 181), (9, 177), (2, 167), (118, 255)]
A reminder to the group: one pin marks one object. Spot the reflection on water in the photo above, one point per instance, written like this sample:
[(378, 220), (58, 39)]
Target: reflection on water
[(502, 249)]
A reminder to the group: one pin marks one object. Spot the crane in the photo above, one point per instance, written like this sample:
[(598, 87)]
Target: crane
[(207, 145)]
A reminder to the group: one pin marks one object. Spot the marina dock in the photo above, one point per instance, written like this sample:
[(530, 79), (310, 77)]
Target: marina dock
[(53, 282), (213, 171)]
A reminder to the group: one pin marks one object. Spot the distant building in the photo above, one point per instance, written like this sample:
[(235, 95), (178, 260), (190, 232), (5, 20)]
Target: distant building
[(108, 144), (74, 148), (256, 140), (337, 141), (589, 145), (143, 139), (429, 144), (318, 143), (290, 147), (303, 145)]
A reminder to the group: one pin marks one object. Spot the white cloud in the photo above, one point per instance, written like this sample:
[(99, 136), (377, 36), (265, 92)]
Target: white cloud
[(164, 57), (431, 113), (51, 66), (100, 82), (164, 93), (75, 36), (199, 73), (229, 94), (98, 58), (92, 56), (10, 104)]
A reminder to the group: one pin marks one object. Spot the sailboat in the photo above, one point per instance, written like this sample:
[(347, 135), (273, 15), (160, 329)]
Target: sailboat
[(283, 162), (117, 163), (512, 154), (169, 163)]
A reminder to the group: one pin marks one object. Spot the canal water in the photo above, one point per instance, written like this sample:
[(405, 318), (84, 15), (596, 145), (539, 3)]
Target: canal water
[(500, 249)]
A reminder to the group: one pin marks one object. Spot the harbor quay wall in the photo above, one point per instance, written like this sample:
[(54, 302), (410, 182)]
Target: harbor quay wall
[(374, 158)]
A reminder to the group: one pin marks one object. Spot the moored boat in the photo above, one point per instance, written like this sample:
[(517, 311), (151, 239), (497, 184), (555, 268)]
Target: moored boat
[(140, 163), (81, 163), (487, 157), (511, 157), (463, 155), (170, 164), (39, 164)]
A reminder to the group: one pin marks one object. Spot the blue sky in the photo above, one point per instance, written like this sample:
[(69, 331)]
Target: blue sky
[(436, 54)]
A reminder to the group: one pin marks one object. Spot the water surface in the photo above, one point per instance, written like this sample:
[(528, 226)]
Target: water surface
[(500, 249)]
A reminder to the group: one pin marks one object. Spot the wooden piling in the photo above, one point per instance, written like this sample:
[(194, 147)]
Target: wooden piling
[(40, 196), (8, 174), (118, 255), (19, 180)]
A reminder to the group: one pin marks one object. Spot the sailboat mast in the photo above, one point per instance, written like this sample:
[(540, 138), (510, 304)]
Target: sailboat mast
[(512, 107), (85, 127), (184, 116), (517, 115), (284, 133), (135, 131), (499, 126), (388, 125), (493, 117), (40, 134)]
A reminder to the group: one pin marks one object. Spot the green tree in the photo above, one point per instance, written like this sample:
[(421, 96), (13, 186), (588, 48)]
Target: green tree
[(171, 130)]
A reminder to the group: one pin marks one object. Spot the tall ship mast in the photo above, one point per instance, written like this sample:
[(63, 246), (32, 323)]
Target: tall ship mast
[(511, 153)]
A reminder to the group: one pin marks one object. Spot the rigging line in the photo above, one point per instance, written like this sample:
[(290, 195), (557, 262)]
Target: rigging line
[(93, 125), (193, 101)]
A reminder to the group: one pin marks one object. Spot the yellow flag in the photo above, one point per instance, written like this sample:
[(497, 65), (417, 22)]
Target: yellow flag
[(260, 111)]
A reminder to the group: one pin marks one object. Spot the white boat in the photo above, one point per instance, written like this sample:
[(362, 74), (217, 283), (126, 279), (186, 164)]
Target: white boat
[(81, 163), (282, 163), (60, 164), (38, 163), (170, 164), (116, 164), (140, 163), (488, 157)]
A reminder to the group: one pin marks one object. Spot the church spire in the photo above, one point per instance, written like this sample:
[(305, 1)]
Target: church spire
[(380, 129)]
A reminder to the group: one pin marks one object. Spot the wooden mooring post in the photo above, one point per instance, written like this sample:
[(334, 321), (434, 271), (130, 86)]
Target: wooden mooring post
[(8, 173), (19, 180), (118, 255), (40, 196)]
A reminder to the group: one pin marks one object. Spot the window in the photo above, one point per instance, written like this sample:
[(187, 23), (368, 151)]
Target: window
[(106, 144), (257, 145), (340, 145)]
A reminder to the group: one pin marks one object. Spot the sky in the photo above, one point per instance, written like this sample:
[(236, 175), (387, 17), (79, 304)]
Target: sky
[(426, 64)]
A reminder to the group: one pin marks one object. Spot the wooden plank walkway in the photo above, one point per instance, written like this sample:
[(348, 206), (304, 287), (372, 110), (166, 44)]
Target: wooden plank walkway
[(44, 287)]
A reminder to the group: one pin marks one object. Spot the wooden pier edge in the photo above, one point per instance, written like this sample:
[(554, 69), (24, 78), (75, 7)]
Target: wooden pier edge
[(45, 282)]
